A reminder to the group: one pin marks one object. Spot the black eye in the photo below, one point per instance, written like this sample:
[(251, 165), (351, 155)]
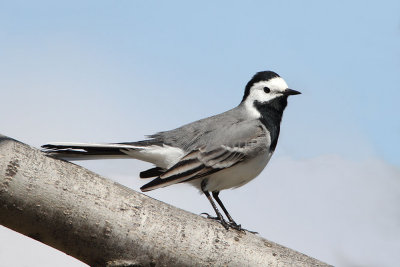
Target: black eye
[(267, 90)]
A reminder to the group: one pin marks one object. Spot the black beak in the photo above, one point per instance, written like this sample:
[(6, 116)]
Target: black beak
[(291, 92)]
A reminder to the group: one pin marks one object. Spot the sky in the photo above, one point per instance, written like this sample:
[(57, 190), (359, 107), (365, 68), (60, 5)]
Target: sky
[(113, 71)]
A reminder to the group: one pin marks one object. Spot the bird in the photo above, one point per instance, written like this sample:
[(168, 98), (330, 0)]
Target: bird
[(220, 152)]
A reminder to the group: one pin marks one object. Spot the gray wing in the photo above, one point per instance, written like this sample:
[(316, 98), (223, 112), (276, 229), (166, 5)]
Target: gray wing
[(196, 164), (227, 128), (214, 157)]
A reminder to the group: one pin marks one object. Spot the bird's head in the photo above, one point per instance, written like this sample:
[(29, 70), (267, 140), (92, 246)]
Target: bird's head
[(266, 87)]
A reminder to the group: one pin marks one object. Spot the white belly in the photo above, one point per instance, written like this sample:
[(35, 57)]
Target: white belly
[(235, 176)]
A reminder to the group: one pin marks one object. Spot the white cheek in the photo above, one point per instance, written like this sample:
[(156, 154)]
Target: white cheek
[(259, 96)]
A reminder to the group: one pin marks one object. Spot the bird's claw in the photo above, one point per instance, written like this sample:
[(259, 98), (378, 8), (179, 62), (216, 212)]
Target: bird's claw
[(217, 218), (227, 225), (235, 226), (208, 216)]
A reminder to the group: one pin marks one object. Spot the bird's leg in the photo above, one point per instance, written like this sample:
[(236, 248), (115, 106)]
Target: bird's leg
[(232, 223), (219, 215)]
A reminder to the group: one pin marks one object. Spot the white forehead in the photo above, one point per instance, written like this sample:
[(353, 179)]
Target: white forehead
[(276, 83)]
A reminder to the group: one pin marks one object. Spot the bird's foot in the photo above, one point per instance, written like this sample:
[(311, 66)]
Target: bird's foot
[(208, 216), (252, 232), (238, 227), (219, 219), (235, 226), (227, 225)]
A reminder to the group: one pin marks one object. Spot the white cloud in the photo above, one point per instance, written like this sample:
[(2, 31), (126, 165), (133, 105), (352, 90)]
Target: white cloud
[(334, 209)]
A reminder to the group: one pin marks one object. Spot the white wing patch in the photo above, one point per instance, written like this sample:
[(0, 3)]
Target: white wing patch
[(162, 156)]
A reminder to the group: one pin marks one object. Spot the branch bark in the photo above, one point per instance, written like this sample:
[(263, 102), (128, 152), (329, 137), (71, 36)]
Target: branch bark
[(103, 223)]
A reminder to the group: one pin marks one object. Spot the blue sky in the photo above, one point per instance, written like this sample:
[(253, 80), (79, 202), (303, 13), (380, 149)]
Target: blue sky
[(343, 56), (112, 71)]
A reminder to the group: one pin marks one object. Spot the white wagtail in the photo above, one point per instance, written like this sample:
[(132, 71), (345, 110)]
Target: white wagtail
[(224, 151)]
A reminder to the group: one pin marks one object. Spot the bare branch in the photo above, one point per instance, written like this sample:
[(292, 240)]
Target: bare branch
[(103, 223)]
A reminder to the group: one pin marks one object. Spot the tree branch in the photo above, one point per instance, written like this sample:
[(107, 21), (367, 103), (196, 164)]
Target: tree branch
[(103, 223)]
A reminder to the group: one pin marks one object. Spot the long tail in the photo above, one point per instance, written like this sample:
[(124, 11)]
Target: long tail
[(152, 150), (87, 151)]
